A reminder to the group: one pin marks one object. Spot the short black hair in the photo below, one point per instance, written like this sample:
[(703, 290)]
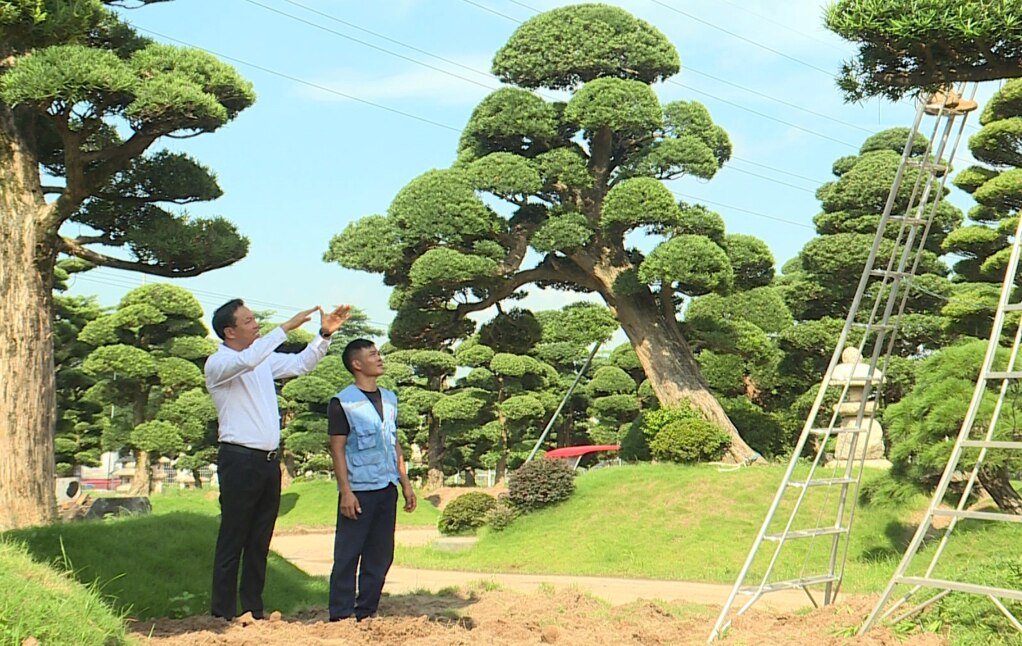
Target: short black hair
[(351, 349), (223, 317)]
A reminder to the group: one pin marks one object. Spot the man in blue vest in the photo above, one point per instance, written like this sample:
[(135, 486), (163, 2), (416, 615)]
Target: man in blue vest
[(369, 465)]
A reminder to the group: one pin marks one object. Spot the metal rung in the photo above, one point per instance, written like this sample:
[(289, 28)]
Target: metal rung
[(1013, 307), (978, 515), (825, 482), (791, 584), (993, 444), (960, 587), (1013, 374), (807, 533), (890, 274), (936, 167), (887, 327), (838, 431), (909, 220)]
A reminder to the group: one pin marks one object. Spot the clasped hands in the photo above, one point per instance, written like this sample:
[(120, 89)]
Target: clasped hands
[(329, 322)]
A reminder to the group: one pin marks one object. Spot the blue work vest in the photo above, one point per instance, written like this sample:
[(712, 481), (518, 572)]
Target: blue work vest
[(370, 452)]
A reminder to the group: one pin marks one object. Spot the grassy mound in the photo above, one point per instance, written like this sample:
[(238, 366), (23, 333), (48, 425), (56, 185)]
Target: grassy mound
[(38, 601), (157, 566), (696, 523)]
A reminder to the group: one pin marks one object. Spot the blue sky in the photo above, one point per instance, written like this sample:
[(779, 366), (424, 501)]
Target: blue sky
[(355, 99)]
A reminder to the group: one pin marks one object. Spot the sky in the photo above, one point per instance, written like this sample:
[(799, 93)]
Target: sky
[(356, 99)]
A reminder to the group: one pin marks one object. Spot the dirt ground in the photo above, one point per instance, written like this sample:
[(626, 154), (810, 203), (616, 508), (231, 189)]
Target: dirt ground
[(548, 616)]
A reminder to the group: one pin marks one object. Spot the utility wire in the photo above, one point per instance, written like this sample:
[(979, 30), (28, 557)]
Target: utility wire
[(299, 80), (829, 73)]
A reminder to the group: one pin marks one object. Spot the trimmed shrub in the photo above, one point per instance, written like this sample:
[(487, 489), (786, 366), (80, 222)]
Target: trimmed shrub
[(654, 420), (466, 513), (540, 483), (690, 440), (500, 517)]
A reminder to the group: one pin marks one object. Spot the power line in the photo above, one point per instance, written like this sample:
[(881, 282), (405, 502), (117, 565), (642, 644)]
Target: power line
[(778, 23), (815, 181), (829, 73), (742, 210), (762, 114), (422, 51), (493, 11), (368, 44), (389, 39), (769, 97), (299, 80), (752, 91), (770, 179)]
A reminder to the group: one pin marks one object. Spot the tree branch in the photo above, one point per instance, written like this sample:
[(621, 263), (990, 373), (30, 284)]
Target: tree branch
[(71, 247), (53, 190), (542, 271)]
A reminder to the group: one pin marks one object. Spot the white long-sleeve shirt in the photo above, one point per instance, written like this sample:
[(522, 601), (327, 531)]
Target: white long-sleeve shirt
[(241, 385)]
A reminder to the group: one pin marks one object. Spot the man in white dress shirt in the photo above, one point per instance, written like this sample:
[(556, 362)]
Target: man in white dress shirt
[(239, 377)]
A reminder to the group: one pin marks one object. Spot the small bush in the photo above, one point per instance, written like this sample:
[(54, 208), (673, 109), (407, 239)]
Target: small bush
[(540, 483), (501, 516), (466, 513), (690, 440), (653, 421)]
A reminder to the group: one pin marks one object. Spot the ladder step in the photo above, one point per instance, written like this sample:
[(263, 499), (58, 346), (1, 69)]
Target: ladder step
[(885, 273), (807, 533), (887, 327), (960, 587), (909, 220), (992, 444), (823, 482), (838, 431), (791, 584), (1013, 307), (978, 515), (1001, 375)]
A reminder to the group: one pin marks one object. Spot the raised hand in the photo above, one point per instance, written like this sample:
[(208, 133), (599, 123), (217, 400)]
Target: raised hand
[(330, 322), (300, 319)]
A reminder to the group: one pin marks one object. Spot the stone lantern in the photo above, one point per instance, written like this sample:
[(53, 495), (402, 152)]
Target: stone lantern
[(854, 372)]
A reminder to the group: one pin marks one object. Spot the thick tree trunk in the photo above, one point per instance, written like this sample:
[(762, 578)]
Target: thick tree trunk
[(998, 484), (142, 483), (670, 366), (27, 395)]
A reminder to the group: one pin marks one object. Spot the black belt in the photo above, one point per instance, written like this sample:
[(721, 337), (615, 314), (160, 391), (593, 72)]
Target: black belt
[(269, 456)]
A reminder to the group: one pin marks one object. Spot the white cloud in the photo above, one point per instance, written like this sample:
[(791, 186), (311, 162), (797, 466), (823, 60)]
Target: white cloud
[(465, 83)]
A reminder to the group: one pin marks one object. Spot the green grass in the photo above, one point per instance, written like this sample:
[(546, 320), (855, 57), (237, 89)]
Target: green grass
[(157, 565), (306, 504), (40, 602), (694, 523)]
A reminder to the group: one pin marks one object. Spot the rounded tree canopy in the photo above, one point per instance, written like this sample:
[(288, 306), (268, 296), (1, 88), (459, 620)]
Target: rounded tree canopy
[(562, 48), (905, 45)]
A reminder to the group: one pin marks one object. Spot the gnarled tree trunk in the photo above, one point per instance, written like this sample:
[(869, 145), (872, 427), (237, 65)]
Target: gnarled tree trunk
[(997, 483), (670, 366), (27, 382)]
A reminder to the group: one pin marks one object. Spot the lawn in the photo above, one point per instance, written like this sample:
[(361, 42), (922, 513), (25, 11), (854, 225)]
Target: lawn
[(306, 504), (695, 523), (157, 565)]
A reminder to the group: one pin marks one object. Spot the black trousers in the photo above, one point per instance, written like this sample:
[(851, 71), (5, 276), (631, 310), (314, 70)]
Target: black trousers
[(249, 501), (365, 545)]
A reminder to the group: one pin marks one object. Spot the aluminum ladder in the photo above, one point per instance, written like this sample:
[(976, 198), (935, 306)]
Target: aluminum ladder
[(807, 505)]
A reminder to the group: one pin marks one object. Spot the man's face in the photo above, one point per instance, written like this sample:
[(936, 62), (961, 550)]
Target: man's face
[(370, 362), (245, 329)]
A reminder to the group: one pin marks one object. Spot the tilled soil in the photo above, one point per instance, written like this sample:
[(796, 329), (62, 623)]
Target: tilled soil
[(550, 616)]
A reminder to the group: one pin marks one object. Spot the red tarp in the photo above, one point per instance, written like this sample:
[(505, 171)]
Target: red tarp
[(575, 451)]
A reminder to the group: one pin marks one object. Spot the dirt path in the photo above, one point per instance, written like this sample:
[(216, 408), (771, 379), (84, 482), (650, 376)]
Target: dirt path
[(313, 553)]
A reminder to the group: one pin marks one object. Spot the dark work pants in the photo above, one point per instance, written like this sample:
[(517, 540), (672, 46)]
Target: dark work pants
[(249, 501), (365, 545)]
